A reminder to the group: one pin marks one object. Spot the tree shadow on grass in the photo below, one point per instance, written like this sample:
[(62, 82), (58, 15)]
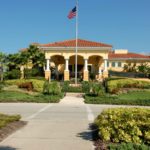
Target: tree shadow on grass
[(7, 148)]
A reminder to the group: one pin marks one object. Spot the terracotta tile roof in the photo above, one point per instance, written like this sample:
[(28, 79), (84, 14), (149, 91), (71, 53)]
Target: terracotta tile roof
[(72, 43), (23, 49), (127, 56)]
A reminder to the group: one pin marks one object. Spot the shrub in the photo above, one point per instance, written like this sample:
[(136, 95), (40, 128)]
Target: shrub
[(124, 125), (14, 96), (26, 85), (14, 74), (128, 146), (5, 119), (90, 99), (37, 84), (86, 87), (131, 98), (52, 88), (1, 86), (65, 86), (34, 72), (115, 85), (96, 89)]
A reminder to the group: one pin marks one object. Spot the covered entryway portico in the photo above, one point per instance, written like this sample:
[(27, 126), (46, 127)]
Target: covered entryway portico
[(92, 58)]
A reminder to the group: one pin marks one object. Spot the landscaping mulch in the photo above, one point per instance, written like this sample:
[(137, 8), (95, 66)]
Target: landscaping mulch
[(11, 128)]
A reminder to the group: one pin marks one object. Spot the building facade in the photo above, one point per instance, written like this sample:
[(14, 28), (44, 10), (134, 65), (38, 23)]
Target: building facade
[(93, 59)]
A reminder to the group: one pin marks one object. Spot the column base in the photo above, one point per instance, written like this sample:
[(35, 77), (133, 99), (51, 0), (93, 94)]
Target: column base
[(99, 77), (105, 74), (66, 75), (48, 75), (86, 76)]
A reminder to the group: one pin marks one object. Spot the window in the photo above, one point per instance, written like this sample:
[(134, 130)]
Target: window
[(113, 64), (119, 64), (107, 63)]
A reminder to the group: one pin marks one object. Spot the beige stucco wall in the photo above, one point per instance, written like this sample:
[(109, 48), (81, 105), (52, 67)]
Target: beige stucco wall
[(84, 53), (125, 62)]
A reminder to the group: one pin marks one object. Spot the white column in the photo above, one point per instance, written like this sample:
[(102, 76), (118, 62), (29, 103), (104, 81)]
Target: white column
[(85, 65), (105, 64), (47, 64), (100, 71), (67, 65)]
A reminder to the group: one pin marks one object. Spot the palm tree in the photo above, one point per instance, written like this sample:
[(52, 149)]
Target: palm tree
[(36, 56)]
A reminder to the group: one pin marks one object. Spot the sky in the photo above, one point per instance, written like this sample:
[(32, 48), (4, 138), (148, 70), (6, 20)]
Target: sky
[(125, 24)]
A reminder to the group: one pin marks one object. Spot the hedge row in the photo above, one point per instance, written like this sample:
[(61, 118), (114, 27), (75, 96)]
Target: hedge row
[(37, 84), (132, 98), (114, 86)]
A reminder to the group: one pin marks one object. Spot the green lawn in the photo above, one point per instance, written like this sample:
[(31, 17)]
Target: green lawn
[(131, 98), (138, 95), (14, 96)]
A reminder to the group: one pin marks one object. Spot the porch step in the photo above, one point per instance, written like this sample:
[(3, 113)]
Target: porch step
[(75, 94)]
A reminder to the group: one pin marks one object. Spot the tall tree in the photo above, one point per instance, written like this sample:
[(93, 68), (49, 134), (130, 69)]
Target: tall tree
[(36, 56), (2, 61)]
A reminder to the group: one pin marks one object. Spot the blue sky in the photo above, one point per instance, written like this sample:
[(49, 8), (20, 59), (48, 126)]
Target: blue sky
[(122, 23)]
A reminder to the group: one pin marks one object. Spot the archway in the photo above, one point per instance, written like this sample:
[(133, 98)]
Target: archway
[(95, 62), (57, 67), (80, 66)]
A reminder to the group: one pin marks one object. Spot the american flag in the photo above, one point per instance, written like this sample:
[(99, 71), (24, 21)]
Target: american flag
[(72, 13)]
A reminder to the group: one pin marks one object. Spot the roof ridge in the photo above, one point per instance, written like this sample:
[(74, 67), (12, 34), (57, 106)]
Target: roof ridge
[(83, 42)]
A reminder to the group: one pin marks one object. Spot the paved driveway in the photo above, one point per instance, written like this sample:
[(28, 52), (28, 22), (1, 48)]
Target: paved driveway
[(63, 126)]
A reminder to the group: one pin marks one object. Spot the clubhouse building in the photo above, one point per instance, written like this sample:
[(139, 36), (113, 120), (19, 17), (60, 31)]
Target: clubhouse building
[(93, 58)]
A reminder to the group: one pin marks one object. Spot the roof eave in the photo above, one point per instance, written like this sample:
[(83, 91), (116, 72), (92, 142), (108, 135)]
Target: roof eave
[(73, 48), (129, 59)]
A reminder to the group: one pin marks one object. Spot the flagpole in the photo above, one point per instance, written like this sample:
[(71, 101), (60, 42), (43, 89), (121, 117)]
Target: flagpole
[(76, 52)]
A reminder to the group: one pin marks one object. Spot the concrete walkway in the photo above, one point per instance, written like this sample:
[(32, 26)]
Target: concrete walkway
[(72, 99), (63, 126)]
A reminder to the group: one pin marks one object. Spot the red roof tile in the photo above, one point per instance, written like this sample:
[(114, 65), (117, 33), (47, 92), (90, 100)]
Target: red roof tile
[(72, 43), (127, 56)]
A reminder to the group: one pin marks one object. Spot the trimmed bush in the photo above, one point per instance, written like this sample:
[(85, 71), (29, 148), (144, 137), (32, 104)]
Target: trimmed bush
[(107, 99), (5, 119), (34, 72), (131, 98), (14, 96), (115, 85), (66, 87), (86, 87), (52, 88), (1, 86), (128, 146), (26, 85), (37, 84), (92, 88), (124, 125), (14, 74)]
